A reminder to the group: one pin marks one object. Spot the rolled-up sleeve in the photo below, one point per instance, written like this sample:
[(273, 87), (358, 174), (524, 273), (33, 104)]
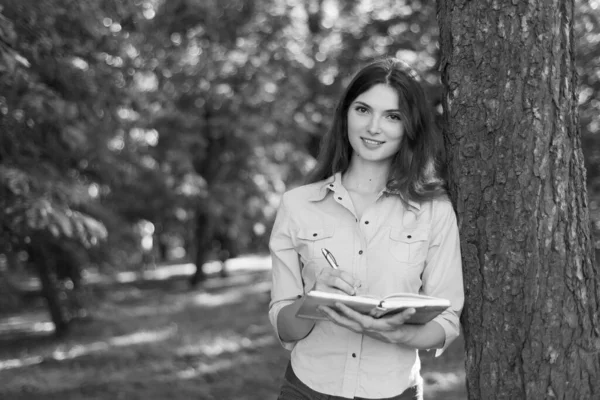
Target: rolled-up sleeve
[(442, 276), (286, 268)]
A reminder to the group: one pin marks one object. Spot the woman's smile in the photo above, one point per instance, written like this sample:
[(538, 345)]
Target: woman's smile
[(372, 142)]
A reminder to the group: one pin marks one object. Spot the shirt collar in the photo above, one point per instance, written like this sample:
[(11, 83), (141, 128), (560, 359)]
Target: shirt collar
[(414, 204), (322, 188), (334, 182)]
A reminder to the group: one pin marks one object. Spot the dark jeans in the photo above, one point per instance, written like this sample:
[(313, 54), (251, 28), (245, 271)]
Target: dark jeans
[(294, 389)]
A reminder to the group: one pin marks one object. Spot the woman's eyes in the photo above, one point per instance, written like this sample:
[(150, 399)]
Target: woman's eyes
[(364, 110)]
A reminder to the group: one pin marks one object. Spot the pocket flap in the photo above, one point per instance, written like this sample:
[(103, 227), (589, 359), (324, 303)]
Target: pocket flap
[(408, 236), (316, 233)]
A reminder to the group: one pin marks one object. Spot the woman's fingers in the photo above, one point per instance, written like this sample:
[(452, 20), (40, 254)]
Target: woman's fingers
[(350, 279), (337, 279), (340, 319), (366, 322), (369, 323), (399, 318), (343, 283), (389, 329)]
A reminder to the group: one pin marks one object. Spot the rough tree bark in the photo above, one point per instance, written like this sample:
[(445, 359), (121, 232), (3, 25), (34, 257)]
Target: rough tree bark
[(517, 178)]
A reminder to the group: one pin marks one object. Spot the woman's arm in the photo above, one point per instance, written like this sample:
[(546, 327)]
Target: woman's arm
[(422, 337), (286, 278), (290, 327), (442, 276), (287, 285)]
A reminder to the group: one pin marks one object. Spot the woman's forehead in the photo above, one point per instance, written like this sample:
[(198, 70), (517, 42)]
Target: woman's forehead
[(381, 97)]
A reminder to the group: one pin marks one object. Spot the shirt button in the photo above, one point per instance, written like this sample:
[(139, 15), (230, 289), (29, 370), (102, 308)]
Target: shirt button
[(314, 234), (409, 236), (366, 222), (339, 198), (353, 355), (360, 252)]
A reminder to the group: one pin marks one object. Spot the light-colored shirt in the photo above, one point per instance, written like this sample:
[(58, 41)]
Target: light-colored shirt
[(393, 247)]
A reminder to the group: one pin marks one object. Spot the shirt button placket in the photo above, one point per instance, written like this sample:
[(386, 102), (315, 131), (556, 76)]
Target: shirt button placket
[(365, 233), (351, 373)]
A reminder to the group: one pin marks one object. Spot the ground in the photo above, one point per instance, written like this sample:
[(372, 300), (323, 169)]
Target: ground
[(151, 338)]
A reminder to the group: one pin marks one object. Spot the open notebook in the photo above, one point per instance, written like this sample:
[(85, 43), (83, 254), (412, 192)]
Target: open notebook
[(426, 308)]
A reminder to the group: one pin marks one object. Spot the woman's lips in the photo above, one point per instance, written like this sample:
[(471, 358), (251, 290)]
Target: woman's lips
[(372, 142)]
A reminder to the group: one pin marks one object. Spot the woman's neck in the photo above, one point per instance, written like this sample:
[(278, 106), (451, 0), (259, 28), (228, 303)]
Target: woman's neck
[(366, 177)]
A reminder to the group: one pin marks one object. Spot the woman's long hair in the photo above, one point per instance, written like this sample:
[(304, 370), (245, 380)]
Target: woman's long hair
[(415, 173)]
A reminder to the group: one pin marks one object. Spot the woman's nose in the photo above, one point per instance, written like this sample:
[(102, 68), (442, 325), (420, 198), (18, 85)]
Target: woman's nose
[(374, 128)]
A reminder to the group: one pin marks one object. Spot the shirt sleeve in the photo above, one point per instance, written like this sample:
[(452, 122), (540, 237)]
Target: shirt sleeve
[(286, 277), (442, 276)]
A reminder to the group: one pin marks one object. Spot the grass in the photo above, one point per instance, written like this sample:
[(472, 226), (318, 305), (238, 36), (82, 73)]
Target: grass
[(157, 339)]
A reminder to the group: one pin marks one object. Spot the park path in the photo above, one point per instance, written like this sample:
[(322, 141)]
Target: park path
[(35, 322)]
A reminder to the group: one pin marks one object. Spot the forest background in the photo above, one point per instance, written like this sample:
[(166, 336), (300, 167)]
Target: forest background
[(149, 132)]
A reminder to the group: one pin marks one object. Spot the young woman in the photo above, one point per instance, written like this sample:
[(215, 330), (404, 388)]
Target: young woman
[(375, 200)]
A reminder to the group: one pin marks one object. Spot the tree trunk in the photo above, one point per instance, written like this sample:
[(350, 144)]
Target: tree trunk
[(203, 229), (52, 293), (517, 178), (163, 249)]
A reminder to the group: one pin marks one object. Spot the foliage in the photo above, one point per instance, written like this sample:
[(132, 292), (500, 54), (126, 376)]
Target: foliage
[(53, 113)]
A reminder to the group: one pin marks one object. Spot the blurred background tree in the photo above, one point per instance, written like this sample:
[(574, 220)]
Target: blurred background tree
[(171, 128)]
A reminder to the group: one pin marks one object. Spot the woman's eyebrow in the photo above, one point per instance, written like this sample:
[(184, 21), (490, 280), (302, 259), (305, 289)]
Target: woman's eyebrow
[(368, 106)]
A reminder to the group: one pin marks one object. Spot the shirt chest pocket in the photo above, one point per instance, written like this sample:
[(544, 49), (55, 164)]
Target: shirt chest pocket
[(312, 240), (409, 246)]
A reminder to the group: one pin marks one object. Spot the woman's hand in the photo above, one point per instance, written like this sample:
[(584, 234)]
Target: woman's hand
[(335, 280), (389, 329)]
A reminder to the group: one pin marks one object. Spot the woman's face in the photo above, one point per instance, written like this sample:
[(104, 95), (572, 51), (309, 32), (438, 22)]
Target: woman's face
[(375, 127)]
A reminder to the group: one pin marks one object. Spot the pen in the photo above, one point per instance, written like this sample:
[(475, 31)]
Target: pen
[(330, 258)]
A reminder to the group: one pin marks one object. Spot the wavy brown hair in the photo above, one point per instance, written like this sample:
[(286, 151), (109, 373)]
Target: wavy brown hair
[(416, 168)]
